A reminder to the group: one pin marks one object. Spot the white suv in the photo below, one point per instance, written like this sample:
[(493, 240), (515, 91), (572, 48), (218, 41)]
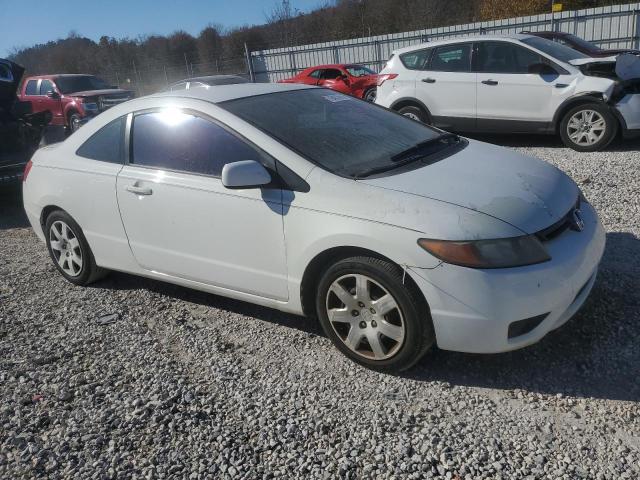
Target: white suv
[(515, 84)]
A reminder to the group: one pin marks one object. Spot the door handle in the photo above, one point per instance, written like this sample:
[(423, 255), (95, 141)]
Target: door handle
[(138, 190), (429, 80), (490, 82), (561, 85)]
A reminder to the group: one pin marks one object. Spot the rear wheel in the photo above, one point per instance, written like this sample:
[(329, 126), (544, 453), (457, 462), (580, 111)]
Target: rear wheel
[(69, 250), (588, 127), (372, 316), (414, 113)]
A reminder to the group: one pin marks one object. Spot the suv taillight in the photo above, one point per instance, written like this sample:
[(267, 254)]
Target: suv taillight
[(386, 76), (27, 169)]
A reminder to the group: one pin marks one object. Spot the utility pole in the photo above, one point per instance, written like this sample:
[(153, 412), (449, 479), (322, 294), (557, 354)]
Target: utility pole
[(186, 64), (249, 63)]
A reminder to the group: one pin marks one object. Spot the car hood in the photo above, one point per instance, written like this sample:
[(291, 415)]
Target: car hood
[(625, 65), (523, 191), (94, 93)]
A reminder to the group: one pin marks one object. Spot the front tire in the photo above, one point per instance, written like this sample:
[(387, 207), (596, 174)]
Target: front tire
[(588, 128), (372, 316), (370, 95), (74, 122), (69, 250)]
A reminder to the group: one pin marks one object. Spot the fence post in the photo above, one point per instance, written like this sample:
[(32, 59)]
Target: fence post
[(376, 45), (247, 53), (292, 62), (336, 54), (634, 34)]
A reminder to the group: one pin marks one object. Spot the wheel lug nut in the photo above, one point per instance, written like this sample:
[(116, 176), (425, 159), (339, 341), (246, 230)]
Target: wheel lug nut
[(363, 325), (360, 304), (374, 324), (355, 313), (372, 310)]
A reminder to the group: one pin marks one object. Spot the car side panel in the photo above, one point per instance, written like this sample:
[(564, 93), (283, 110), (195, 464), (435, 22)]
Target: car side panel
[(86, 190)]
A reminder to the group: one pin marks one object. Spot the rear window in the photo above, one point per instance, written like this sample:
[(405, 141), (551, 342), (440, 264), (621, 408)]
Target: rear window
[(342, 134), (32, 88), (553, 49)]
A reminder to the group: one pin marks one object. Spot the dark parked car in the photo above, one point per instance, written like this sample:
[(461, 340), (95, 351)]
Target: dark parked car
[(582, 45), (21, 130), (208, 81)]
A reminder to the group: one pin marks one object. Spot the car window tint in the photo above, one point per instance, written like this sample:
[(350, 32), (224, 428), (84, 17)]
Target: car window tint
[(451, 58), (176, 140), (107, 144), (32, 87), (315, 74), (415, 60), (503, 57), (45, 87)]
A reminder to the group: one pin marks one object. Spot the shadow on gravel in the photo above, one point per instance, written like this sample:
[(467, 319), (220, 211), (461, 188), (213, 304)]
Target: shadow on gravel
[(595, 354), (123, 281), (11, 212)]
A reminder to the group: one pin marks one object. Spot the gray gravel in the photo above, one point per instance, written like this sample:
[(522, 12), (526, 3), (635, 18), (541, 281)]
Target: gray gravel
[(181, 384)]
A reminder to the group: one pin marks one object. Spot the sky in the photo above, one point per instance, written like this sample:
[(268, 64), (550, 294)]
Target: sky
[(25, 23)]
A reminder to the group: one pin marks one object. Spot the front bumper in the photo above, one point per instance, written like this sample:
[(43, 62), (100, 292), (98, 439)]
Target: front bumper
[(628, 109), (472, 309)]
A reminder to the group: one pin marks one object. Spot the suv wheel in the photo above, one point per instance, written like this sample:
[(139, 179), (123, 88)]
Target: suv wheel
[(414, 113), (69, 249), (588, 128), (372, 316)]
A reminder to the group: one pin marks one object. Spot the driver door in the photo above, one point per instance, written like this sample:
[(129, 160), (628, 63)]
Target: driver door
[(182, 222), (335, 79)]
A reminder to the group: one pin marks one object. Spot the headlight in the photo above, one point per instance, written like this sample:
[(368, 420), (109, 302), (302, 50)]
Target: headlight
[(499, 253)]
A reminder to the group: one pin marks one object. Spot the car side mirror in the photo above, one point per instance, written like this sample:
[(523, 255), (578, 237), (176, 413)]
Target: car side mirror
[(245, 174), (345, 79), (52, 94), (542, 69)]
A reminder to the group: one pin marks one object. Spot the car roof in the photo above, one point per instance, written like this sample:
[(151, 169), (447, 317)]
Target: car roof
[(223, 93), (64, 75), (468, 38)]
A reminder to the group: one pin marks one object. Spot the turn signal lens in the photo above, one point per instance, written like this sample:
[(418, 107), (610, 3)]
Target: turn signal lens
[(386, 76), (498, 253)]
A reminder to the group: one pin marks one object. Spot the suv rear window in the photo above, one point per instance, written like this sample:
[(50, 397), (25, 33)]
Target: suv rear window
[(32, 88)]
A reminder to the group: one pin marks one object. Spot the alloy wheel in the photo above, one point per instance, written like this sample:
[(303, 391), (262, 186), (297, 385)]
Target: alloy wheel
[(586, 127), (371, 95), (365, 317), (66, 248)]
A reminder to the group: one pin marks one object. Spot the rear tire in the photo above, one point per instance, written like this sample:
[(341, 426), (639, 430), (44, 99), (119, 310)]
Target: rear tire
[(588, 127), (415, 113), (370, 95), (69, 250), (372, 316)]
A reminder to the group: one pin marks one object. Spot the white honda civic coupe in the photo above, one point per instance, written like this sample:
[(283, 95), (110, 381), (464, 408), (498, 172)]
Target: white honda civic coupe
[(395, 235)]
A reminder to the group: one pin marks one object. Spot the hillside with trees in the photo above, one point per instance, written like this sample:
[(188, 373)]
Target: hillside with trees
[(149, 62)]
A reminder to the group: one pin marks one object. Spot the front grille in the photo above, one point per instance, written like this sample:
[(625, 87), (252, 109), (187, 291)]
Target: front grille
[(558, 228), (110, 101)]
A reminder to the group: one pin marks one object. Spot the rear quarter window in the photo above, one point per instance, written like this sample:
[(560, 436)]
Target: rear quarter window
[(32, 87), (415, 60), (107, 144)]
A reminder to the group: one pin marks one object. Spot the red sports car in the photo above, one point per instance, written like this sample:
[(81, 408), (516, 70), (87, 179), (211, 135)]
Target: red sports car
[(354, 80)]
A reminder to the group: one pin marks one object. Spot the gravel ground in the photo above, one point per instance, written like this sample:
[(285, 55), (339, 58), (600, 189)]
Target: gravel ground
[(188, 385)]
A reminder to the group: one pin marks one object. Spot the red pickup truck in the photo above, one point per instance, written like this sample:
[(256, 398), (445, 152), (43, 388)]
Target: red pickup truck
[(71, 98)]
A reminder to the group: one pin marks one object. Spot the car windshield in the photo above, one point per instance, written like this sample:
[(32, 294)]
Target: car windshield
[(80, 83), (340, 133), (554, 49), (359, 71), (583, 43)]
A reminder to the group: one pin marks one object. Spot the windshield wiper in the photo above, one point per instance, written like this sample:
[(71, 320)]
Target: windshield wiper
[(418, 147), (410, 155)]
